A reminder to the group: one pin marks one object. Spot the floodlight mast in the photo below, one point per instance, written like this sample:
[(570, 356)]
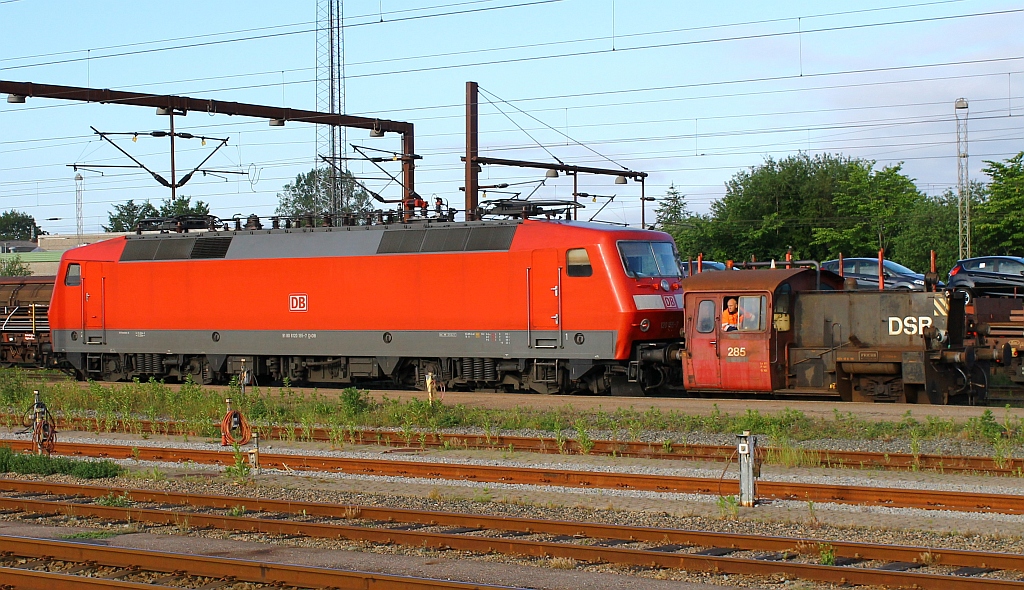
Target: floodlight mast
[(185, 104)]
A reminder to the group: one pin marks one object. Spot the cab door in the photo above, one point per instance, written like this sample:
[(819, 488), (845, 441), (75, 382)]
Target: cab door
[(703, 366), (745, 351), (93, 294), (545, 300)]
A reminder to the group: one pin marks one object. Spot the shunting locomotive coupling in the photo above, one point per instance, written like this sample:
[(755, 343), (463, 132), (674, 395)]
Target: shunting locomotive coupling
[(533, 303)]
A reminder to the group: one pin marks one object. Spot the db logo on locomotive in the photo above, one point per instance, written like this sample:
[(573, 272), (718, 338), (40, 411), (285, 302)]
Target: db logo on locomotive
[(298, 302)]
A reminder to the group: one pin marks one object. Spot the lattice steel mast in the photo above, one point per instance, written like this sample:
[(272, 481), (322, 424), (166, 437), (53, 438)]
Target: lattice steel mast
[(963, 199), (331, 141)]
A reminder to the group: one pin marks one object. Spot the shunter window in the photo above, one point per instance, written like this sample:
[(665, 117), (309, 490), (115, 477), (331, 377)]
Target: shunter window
[(752, 313), (73, 276), (706, 317), (577, 263)]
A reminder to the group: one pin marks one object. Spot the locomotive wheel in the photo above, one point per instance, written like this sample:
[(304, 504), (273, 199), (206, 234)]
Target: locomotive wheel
[(112, 370)]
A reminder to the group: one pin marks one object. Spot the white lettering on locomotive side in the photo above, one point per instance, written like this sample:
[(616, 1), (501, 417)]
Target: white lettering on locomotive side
[(298, 302), (909, 325)]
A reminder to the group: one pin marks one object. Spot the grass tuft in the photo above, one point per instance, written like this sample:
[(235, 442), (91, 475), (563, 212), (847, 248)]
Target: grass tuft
[(11, 462)]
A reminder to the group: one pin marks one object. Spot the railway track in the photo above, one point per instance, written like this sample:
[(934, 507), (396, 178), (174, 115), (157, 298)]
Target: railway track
[(612, 448), (41, 564), (767, 490), (810, 559)]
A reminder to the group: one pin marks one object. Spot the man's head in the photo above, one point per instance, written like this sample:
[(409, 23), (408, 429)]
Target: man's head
[(731, 304)]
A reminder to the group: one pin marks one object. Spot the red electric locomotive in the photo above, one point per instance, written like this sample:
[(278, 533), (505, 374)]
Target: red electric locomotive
[(534, 305)]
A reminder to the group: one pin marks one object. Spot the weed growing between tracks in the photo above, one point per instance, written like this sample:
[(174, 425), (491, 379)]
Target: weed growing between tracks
[(196, 410), (11, 462)]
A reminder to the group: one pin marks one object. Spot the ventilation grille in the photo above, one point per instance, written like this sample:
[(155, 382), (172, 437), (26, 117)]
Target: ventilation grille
[(175, 248), (211, 247), (454, 239), (139, 250)]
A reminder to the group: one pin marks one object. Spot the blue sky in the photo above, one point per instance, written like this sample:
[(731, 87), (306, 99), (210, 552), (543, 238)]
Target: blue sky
[(690, 92)]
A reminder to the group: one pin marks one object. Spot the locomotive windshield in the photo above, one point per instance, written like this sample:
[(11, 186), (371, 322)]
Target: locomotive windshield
[(649, 259)]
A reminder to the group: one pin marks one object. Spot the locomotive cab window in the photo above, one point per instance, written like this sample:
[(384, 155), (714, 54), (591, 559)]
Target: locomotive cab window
[(744, 313), (752, 313), (780, 312), (73, 276), (650, 259), (706, 317), (577, 263)]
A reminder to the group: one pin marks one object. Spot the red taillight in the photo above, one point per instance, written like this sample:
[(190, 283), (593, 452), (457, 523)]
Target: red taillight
[(955, 270)]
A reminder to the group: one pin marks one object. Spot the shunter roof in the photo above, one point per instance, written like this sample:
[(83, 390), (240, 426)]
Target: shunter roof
[(747, 280)]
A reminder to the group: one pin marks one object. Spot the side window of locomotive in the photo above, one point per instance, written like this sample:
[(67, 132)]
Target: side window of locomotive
[(577, 263), (706, 317), (752, 313), (780, 311), (73, 276)]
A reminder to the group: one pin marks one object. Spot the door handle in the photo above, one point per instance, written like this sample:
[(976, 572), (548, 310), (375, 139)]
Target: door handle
[(712, 342)]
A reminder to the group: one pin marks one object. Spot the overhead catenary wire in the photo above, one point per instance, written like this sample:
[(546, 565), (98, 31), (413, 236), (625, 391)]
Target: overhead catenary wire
[(610, 140)]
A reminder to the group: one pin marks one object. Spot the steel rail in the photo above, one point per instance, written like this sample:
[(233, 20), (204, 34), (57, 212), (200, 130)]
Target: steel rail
[(236, 570), (592, 530), (35, 580), (638, 449), (841, 494), (586, 553)]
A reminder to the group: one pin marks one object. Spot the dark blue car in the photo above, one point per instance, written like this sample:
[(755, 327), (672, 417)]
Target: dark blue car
[(865, 271), (988, 275)]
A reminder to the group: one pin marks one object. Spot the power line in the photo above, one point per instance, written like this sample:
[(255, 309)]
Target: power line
[(268, 36)]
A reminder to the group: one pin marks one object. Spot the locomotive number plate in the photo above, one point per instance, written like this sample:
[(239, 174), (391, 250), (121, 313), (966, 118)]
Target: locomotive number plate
[(737, 351)]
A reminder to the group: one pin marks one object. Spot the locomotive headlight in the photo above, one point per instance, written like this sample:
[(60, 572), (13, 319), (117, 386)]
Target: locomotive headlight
[(645, 324), (664, 285)]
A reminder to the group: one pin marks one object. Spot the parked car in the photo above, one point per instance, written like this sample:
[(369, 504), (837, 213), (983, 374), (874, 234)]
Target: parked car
[(865, 270), (705, 266), (988, 275)]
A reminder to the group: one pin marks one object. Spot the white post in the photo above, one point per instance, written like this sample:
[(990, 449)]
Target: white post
[(746, 449)]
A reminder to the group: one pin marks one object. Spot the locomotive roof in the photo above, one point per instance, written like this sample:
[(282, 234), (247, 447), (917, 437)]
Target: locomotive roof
[(758, 280), (362, 240)]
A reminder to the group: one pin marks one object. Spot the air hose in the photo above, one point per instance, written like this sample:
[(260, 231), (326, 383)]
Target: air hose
[(40, 422), (234, 428)]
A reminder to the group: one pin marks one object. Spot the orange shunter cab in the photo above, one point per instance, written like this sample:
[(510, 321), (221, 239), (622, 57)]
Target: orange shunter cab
[(737, 328)]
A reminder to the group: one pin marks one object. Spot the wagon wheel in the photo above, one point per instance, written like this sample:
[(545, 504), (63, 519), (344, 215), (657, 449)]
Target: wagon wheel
[(973, 383)]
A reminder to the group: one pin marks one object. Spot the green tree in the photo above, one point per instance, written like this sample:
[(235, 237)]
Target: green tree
[(672, 211), (770, 208), (125, 216), (183, 206), (1000, 225), (687, 229), (15, 225), (310, 192), (871, 208), (13, 266), (932, 225)]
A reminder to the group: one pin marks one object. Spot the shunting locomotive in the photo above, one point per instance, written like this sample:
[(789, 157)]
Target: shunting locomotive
[(527, 304), (796, 332)]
